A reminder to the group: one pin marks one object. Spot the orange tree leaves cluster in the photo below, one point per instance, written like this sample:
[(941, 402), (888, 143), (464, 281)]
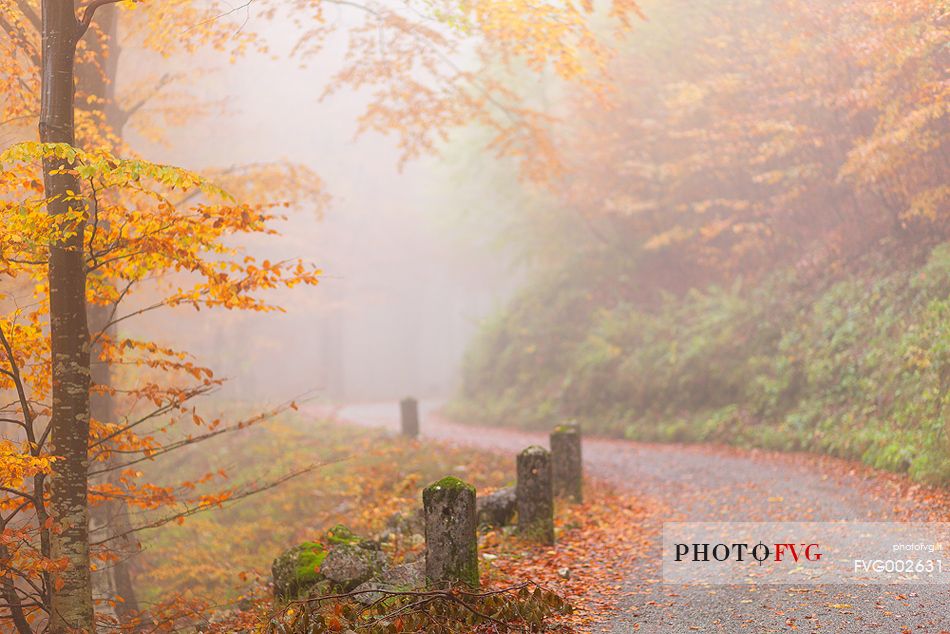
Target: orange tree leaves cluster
[(428, 66), (431, 67), (110, 105), (747, 131), (135, 229), (105, 105)]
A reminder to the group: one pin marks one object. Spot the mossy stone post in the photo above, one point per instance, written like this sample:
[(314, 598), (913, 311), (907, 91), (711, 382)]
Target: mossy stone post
[(535, 495), (566, 463), (409, 409), (451, 543)]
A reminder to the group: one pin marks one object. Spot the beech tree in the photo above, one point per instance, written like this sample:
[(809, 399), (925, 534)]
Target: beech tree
[(70, 602), (86, 229)]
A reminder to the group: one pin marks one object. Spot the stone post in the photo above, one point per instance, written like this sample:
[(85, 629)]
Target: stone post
[(451, 543), (535, 495), (566, 464), (409, 409)]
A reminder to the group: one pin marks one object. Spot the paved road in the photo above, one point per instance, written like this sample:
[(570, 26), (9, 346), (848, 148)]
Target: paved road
[(720, 484)]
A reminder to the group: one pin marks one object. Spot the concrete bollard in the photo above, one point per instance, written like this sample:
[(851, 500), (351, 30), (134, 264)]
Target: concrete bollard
[(409, 410), (451, 543), (535, 495), (566, 463)]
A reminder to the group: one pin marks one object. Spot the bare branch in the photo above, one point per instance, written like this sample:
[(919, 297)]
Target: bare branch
[(115, 308), (128, 113), (154, 306), (14, 374), (246, 5), (14, 605), (210, 505), (89, 13), (263, 416), (29, 14)]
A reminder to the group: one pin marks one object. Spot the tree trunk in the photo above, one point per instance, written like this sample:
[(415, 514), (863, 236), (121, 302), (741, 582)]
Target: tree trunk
[(71, 593), (111, 517)]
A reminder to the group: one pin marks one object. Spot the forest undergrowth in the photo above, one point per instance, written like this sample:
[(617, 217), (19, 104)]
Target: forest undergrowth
[(217, 565), (853, 363)]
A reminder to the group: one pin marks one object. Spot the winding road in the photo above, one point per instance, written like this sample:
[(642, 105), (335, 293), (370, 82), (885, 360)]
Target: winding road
[(721, 484)]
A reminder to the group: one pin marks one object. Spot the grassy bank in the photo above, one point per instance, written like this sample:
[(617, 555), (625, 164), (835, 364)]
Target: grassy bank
[(365, 477), (856, 364), (216, 565)]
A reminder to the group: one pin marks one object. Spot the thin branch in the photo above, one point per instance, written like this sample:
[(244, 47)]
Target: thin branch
[(89, 13), (481, 88), (35, 448), (14, 604), (128, 113), (28, 262), (94, 203), (200, 438), (164, 409), (115, 309), (17, 118), (210, 505), (4, 521), (44, 436), (17, 492), (246, 5), (14, 374), (155, 306), (29, 14)]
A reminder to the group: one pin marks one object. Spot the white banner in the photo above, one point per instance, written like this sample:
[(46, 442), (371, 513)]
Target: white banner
[(799, 553)]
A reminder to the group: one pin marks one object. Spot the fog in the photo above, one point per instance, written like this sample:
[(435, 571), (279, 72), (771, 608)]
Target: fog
[(654, 264), (410, 268)]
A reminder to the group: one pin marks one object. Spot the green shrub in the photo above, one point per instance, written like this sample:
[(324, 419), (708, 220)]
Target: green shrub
[(858, 367)]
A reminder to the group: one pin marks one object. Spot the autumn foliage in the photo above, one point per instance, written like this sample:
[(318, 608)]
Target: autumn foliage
[(692, 147), (748, 131), (131, 236), (749, 246), (137, 237)]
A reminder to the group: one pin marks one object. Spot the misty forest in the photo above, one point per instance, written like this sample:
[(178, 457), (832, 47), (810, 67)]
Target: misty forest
[(444, 316)]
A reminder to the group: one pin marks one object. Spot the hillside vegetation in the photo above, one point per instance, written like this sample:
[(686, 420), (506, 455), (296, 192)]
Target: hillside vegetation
[(858, 367), (750, 244)]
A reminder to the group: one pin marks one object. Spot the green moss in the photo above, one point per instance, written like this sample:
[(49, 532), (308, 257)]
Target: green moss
[(310, 557), (451, 483), (340, 534), (469, 572)]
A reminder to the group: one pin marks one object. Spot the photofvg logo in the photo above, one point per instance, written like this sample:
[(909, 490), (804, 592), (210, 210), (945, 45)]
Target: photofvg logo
[(805, 552), (741, 552)]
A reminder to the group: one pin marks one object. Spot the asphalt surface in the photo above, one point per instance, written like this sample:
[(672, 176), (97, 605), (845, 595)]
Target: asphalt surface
[(718, 484)]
